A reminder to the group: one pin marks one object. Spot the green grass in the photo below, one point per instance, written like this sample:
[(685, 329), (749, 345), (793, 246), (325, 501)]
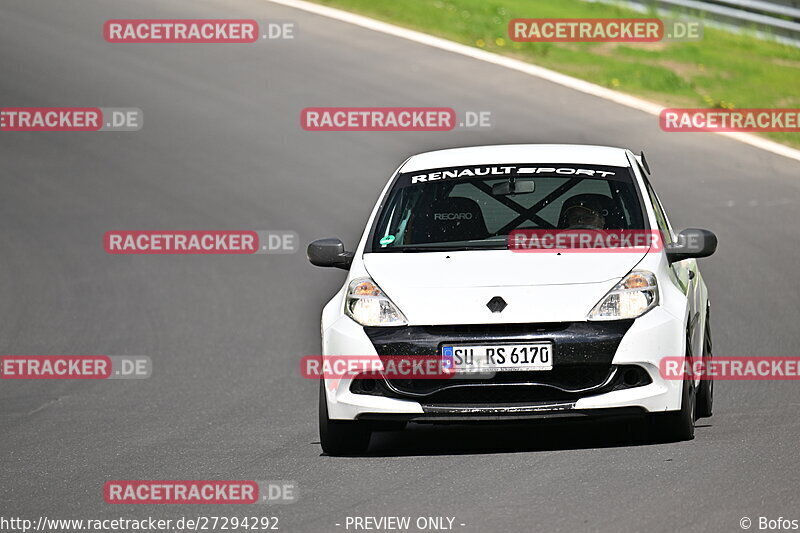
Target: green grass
[(723, 70)]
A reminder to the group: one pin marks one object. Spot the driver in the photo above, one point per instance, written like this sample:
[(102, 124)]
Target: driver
[(584, 216)]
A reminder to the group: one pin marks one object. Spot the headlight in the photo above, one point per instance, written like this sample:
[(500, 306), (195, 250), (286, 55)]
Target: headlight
[(632, 297), (369, 306)]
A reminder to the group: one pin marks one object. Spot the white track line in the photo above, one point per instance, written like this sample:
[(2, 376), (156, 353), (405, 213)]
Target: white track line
[(521, 66)]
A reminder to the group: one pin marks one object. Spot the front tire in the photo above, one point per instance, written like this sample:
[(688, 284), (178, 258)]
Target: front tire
[(340, 437), (678, 426)]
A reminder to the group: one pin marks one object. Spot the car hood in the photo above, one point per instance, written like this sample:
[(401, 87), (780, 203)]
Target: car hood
[(439, 288)]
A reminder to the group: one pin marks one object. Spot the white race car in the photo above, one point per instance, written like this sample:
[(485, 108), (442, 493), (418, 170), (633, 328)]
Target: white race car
[(553, 333)]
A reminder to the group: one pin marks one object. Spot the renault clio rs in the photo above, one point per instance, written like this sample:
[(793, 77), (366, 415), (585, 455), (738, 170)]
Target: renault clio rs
[(554, 333)]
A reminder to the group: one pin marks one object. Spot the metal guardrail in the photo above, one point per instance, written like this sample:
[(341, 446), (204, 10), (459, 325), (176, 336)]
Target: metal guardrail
[(776, 18), (788, 8)]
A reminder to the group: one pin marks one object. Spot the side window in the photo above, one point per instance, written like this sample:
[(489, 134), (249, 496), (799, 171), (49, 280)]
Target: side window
[(661, 218)]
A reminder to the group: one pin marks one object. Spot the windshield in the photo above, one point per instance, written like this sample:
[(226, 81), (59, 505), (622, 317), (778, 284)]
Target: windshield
[(465, 208)]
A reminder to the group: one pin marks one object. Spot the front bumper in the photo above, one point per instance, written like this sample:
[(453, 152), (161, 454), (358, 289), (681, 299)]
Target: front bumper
[(595, 364), (546, 412)]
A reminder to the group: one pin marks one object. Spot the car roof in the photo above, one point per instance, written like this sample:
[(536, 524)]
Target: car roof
[(518, 153)]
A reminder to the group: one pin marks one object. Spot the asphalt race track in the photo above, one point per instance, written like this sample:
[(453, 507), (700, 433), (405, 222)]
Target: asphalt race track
[(222, 148)]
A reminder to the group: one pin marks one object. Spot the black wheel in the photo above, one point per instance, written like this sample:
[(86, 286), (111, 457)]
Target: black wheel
[(340, 437), (705, 392), (678, 425)]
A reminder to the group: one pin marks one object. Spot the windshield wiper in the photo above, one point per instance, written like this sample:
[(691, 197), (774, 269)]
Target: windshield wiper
[(443, 248)]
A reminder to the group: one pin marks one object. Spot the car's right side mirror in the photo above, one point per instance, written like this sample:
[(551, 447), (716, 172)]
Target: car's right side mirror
[(692, 243), (329, 253)]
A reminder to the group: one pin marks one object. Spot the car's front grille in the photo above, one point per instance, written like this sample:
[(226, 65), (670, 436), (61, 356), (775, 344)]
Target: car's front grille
[(569, 378), (573, 342), (564, 384), (582, 362)]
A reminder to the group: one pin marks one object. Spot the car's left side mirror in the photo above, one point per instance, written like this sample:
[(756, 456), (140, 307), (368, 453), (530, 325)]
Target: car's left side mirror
[(329, 253), (692, 243)]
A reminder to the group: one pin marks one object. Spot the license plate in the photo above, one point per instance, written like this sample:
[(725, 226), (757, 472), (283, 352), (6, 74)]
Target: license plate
[(498, 357)]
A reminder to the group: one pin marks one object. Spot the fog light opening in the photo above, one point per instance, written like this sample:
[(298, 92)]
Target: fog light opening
[(632, 377)]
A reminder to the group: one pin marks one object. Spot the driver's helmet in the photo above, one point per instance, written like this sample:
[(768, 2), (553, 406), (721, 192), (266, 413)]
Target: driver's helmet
[(584, 212)]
